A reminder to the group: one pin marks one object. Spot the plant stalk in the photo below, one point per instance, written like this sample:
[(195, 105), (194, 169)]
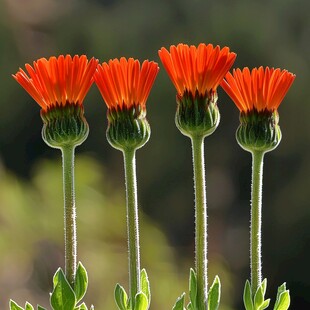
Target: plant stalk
[(69, 213), (132, 223), (201, 262), (256, 219)]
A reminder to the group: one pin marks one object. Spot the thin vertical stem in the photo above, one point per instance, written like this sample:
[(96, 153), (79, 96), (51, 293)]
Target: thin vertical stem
[(132, 224), (69, 213), (201, 262), (256, 219)]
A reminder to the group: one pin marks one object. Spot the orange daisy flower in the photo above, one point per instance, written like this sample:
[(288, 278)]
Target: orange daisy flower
[(58, 81), (261, 89), (196, 69), (124, 83)]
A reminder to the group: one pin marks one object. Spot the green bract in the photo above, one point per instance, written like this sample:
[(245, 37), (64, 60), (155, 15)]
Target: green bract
[(197, 115), (259, 131), (128, 128), (64, 126)]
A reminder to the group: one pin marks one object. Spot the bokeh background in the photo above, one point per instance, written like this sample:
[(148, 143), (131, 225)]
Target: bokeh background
[(274, 33)]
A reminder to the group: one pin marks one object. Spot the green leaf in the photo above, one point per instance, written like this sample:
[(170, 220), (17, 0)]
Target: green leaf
[(247, 296), (190, 306), (145, 285), (28, 306), (55, 278), (141, 302), (82, 307), (120, 296), (179, 304), (265, 304), (81, 282), (193, 288), (40, 308), (62, 297), (214, 294), (264, 286), (283, 301), (259, 297), (15, 306)]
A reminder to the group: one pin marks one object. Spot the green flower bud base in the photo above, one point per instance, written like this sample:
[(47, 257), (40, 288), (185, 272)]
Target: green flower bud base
[(64, 126), (197, 115), (128, 128), (259, 131)]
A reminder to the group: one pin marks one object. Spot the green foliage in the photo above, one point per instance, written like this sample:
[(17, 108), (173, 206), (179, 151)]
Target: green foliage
[(141, 302), (145, 285), (192, 289), (81, 282), (121, 298), (283, 298), (259, 302), (142, 299), (15, 306), (214, 294), (179, 304), (63, 296)]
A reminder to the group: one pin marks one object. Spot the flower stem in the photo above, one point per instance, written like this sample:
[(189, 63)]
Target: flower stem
[(201, 262), (69, 213), (132, 224), (256, 219)]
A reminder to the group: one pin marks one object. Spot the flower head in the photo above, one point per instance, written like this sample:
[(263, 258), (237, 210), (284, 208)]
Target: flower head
[(124, 83), (258, 94), (125, 87), (196, 69), (260, 89), (58, 82), (196, 72), (59, 86)]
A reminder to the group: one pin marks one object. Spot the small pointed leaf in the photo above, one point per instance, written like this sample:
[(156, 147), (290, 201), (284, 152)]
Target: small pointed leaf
[(40, 308), (259, 297), (247, 296), (15, 306), (120, 296), (82, 307), (264, 286), (214, 294), (281, 289), (193, 288), (283, 302), (265, 304), (81, 282), (179, 304), (28, 306), (62, 297), (141, 302), (145, 285)]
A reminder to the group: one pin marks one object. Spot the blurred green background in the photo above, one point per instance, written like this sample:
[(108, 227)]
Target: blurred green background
[(274, 33)]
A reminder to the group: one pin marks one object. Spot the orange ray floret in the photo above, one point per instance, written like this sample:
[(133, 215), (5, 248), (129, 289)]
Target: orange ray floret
[(193, 69), (260, 89), (124, 83), (58, 81)]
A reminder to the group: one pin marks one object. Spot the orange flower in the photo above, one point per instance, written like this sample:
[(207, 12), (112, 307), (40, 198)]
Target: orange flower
[(196, 69), (58, 81), (261, 89), (123, 83)]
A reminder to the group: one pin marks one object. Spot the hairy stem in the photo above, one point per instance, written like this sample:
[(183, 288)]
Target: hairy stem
[(256, 219), (201, 262), (132, 224), (69, 213)]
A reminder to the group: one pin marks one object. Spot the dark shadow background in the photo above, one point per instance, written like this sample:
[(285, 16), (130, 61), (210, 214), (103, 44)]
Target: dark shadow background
[(274, 33)]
